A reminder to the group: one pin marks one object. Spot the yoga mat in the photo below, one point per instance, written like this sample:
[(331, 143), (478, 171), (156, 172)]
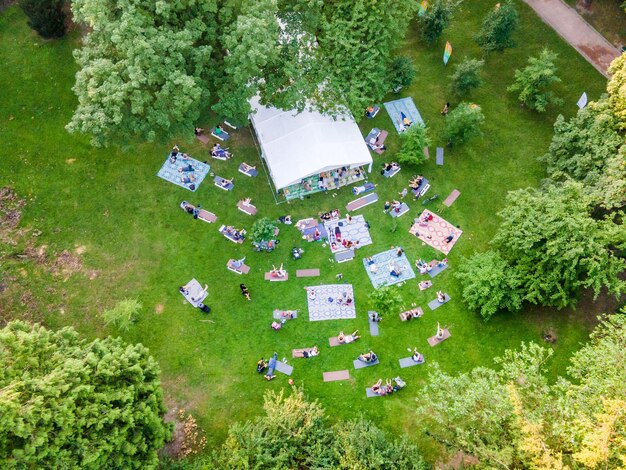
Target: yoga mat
[(434, 341), (451, 198), (278, 316), (370, 393), (307, 272), (269, 277), (403, 210), (361, 365), (373, 327), (336, 375), (284, 368), (334, 341), (362, 202), (435, 304), (409, 362), (437, 269), (439, 158)]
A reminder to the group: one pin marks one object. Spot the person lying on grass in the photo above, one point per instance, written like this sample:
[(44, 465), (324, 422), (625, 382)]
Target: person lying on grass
[(368, 357)]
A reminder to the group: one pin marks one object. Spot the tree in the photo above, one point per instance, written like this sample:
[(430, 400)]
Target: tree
[(498, 27), (69, 403), (263, 230), (294, 433), (124, 314), (610, 191), (436, 18), (45, 16), (144, 68), (490, 284), (466, 77), (414, 139), (463, 123), (616, 89), (531, 84), (386, 299), (555, 246), (401, 72), (582, 146)]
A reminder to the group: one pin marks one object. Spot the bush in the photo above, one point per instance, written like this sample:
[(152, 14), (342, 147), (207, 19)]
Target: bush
[(463, 123), (123, 314), (466, 77), (386, 299), (498, 26), (532, 82), (402, 72), (45, 16), (414, 139), (436, 18), (263, 230)]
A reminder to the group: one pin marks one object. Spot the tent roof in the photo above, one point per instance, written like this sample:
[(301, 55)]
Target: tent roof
[(296, 145)]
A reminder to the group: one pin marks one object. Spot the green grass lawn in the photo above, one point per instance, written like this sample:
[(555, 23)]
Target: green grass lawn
[(109, 203)]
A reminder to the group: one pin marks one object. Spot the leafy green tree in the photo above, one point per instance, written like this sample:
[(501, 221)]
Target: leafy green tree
[(531, 84), (45, 16), (463, 123), (402, 72), (386, 299), (360, 445), (124, 314), (263, 230), (436, 18), (610, 190), (498, 27), (466, 77), (490, 284), (69, 403), (414, 139), (616, 89), (581, 146), (144, 68), (555, 246)]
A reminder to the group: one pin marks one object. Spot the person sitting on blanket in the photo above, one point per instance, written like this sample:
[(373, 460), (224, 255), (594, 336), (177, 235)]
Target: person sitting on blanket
[(345, 339), (399, 383), (285, 219), (173, 157), (406, 122), (427, 217), (188, 179), (450, 237), (244, 291), (218, 151), (276, 325), (317, 235), (369, 111), (288, 314), (218, 130), (396, 206), (272, 367), (375, 317), (415, 182), (394, 270), (261, 365), (198, 130), (175, 151), (369, 260), (376, 387), (425, 284), (442, 263), (441, 297), (311, 353), (278, 272), (238, 263), (417, 357), (368, 357), (225, 183)]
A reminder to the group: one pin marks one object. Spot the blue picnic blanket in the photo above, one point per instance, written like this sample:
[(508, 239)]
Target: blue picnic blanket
[(382, 275), (396, 108), (179, 174)]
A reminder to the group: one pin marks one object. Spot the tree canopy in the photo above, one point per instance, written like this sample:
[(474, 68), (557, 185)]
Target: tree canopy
[(414, 139), (532, 82), (68, 403), (514, 418), (463, 123), (617, 90), (497, 28)]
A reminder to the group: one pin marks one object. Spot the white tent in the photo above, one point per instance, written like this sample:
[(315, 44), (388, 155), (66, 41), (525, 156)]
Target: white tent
[(296, 145)]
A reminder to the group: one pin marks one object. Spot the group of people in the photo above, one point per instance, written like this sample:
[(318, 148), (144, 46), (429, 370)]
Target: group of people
[(389, 167), (269, 365), (226, 183), (233, 233), (278, 272), (395, 206), (331, 215), (411, 314), (369, 357), (218, 152), (388, 387)]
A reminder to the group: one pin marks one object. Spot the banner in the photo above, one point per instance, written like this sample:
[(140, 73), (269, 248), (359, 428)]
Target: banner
[(423, 7), (447, 53), (582, 102)]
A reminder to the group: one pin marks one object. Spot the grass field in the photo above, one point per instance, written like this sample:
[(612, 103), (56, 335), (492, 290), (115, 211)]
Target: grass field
[(108, 205)]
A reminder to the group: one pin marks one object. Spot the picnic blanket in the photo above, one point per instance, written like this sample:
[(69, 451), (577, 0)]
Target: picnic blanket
[(189, 180), (246, 208), (406, 106), (195, 294), (371, 393), (329, 302), (381, 275), (435, 304), (223, 135), (391, 173), (435, 232), (355, 231), (422, 188)]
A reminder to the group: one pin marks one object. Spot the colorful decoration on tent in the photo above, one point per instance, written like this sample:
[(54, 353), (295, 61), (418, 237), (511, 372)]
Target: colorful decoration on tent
[(582, 101), (447, 53), (423, 8)]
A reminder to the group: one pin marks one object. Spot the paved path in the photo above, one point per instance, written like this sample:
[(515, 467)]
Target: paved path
[(598, 51)]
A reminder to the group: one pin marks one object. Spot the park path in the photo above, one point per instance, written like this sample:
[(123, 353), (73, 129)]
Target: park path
[(594, 47)]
